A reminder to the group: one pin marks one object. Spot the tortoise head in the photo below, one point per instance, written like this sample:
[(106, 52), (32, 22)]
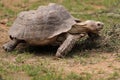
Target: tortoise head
[(89, 26)]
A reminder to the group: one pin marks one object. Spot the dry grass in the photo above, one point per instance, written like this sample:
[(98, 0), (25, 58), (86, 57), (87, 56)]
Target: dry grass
[(100, 62)]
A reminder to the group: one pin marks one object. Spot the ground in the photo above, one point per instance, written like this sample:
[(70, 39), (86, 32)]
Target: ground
[(35, 64)]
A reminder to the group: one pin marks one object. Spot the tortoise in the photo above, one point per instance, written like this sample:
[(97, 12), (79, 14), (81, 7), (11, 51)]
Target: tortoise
[(50, 25)]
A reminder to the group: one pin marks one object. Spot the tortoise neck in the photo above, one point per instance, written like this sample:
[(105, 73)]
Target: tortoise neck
[(77, 29)]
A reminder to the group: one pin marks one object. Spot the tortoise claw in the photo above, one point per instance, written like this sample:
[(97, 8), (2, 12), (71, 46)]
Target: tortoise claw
[(7, 48), (58, 55)]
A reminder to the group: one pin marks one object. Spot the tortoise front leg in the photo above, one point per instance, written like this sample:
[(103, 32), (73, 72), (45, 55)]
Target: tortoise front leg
[(68, 44), (9, 46)]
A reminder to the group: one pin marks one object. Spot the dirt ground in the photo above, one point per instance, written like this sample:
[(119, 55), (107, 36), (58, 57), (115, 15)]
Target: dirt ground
[(99, 64)]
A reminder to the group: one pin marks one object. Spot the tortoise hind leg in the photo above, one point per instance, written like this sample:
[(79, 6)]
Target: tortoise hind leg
[(10, 46)]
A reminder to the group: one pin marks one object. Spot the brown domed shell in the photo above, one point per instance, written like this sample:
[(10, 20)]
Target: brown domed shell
[(43, 23)]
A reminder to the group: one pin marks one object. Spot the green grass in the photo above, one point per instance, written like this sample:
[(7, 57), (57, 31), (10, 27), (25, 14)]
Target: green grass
[(38, 72), (25, 1), (87, 57), (41, 68), (114, 76), (74, 76)]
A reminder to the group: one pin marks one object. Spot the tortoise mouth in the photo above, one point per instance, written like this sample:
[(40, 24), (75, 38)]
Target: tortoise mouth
[(97, 31)]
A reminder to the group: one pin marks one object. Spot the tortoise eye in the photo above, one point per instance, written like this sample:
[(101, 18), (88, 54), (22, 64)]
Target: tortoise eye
[(98, 24)]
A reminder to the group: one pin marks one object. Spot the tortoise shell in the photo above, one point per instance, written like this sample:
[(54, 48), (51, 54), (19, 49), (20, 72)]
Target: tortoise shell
[(44, 23)]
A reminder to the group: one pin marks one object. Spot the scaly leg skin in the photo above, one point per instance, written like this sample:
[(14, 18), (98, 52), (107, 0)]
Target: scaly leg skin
[(9, 46), (68, 44)]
